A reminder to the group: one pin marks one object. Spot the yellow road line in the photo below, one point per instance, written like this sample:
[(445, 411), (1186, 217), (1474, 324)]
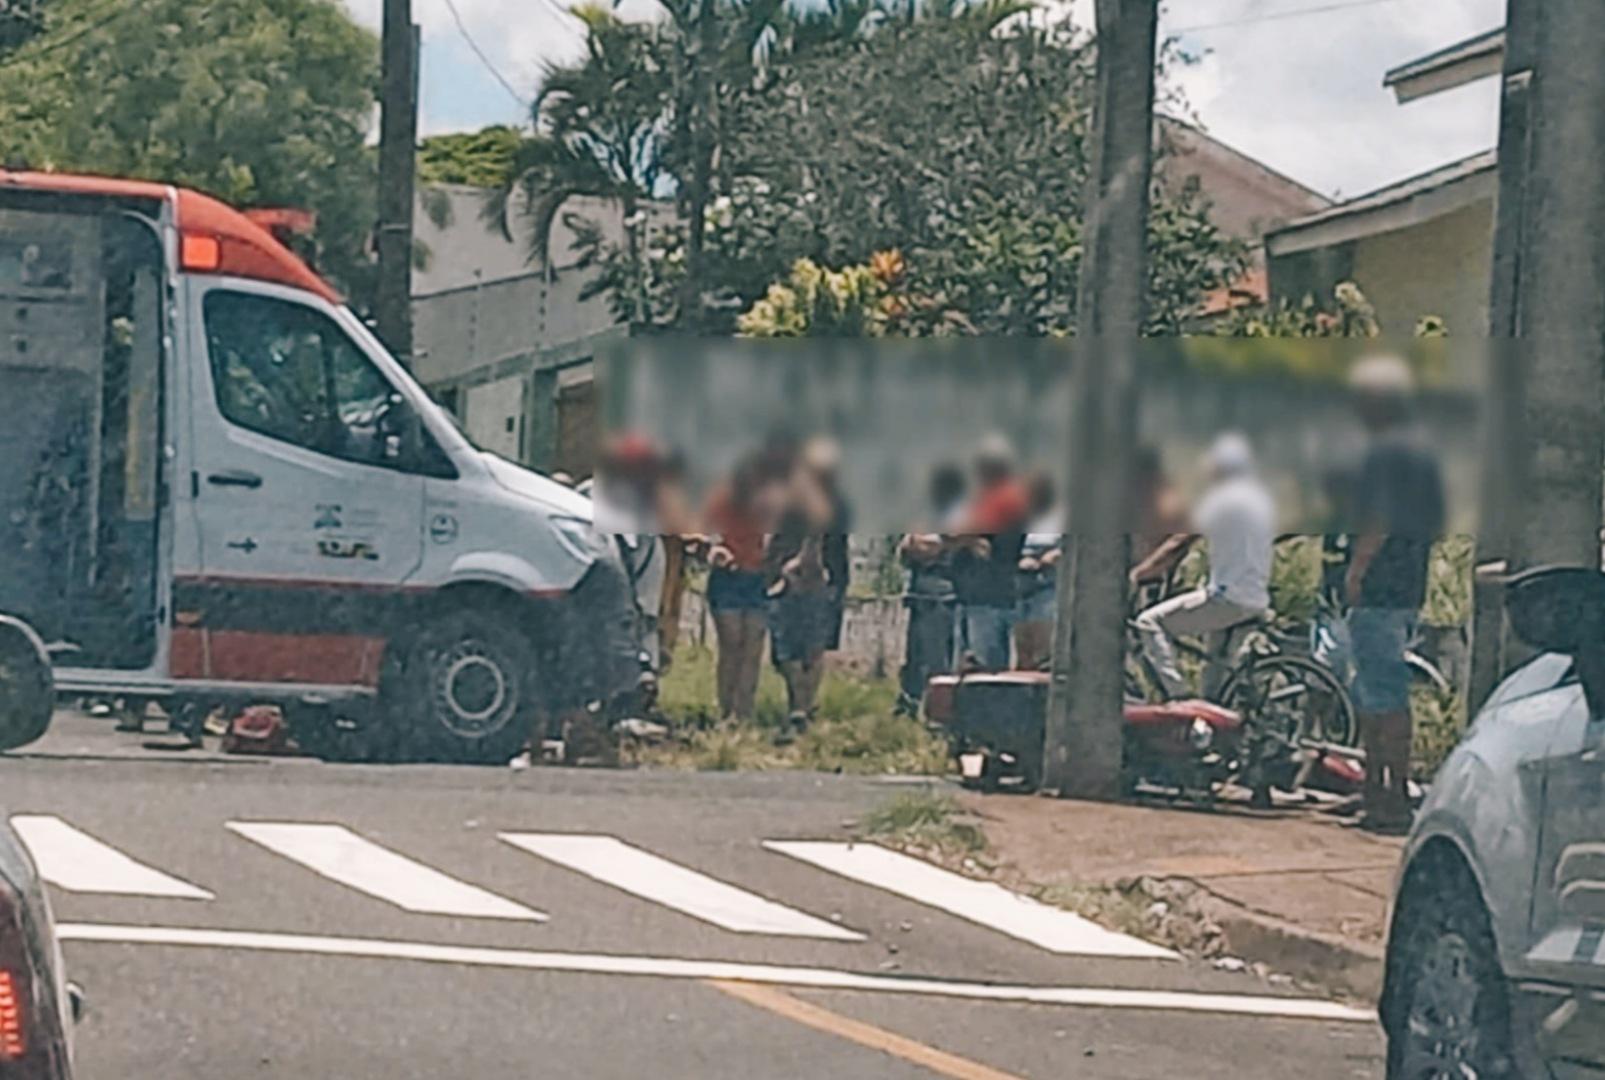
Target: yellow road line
[(783, 1004)]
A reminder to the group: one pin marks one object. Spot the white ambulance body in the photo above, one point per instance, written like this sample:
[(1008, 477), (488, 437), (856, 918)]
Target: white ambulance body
[(219, 487)]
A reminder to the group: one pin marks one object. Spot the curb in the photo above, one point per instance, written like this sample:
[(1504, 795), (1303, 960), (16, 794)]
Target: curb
[(1346, 967)]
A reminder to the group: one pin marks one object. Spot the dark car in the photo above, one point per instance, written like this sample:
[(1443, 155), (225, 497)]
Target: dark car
[(37, 1006), (1496, 952)]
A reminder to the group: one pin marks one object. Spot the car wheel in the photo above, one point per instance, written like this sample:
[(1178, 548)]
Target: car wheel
[(469, 689), (1453, 1016)]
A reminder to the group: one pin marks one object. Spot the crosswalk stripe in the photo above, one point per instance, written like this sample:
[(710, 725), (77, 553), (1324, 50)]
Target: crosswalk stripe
[(981, 902), (73, 860), (613, 862), (341, 855)]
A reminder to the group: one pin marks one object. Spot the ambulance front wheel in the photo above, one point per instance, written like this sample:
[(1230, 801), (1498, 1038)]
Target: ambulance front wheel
[(466, 689)]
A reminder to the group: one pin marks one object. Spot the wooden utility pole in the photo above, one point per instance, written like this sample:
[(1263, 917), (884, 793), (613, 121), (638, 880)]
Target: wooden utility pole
[(1083, 752), (398, 139), (1546, 400)]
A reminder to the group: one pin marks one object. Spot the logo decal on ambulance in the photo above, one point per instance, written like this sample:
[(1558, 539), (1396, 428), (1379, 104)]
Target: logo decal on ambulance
[(443, 528)]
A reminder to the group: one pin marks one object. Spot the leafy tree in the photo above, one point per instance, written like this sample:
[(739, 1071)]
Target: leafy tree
[(481, 158), (20, 20), (955, 133), (259, 102), (598, 123)]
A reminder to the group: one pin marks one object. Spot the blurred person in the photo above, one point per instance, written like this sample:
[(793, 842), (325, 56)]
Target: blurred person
[(1236, 519), (986, 554), (678, 540), (1038, 576), (808, 565), (1159, 513), (929, 598), (626, 496), (737, 522), (1398, 508)]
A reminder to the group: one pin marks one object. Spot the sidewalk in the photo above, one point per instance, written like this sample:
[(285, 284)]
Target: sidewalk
[(1290, 889)]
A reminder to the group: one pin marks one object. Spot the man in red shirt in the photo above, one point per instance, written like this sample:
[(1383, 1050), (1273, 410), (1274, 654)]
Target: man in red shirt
[(986, 555)]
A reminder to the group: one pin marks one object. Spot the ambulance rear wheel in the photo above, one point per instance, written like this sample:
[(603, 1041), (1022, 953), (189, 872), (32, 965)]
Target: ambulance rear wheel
[(467, 689), (27, 686)]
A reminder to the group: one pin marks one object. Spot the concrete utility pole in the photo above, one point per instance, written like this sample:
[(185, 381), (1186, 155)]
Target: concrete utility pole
[(1542, 482), (1083, 752), (398, 139)]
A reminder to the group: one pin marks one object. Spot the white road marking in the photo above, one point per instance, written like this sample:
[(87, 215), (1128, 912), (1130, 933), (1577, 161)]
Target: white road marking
[(666, 968), (981, 902), (73, 860), (341, 855), (613, 862)]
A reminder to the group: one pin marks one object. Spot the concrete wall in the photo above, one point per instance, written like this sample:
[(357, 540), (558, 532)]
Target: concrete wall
[(462, 332), (1440, 267)]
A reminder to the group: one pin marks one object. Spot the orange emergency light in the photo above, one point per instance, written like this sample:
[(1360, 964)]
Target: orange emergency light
[(200, 252)]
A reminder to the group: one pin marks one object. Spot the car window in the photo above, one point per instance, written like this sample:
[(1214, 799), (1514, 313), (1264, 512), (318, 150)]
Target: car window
[(1544, 672), (291, 373)]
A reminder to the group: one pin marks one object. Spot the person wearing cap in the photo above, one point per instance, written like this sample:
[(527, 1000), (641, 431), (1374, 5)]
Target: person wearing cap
[(1398, 511), (986, 549), (1236, 518)]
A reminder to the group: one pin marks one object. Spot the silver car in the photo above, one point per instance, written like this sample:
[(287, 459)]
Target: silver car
[(1496, 952)]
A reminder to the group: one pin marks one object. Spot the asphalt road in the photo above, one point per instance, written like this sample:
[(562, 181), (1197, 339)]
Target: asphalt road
[(413, 940)]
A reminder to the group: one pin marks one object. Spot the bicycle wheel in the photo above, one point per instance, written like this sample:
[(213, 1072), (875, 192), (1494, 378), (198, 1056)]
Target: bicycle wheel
[(1292, 698)]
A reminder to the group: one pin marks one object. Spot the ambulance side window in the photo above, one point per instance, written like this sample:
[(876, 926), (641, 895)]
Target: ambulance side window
[(291, 373)]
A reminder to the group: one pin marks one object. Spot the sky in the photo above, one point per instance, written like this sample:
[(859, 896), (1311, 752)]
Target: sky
[(1294, 83)]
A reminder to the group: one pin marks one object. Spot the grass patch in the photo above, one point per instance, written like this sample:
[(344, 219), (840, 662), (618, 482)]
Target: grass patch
[(1439, 722), (1126, 910), (925, 820), (856, 730)]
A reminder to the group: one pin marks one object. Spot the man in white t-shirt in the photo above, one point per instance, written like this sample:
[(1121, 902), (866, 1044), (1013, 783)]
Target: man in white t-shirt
[(1236, 517)]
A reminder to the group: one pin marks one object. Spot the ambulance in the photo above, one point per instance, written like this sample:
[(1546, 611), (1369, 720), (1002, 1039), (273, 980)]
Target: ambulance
[(219, 489)]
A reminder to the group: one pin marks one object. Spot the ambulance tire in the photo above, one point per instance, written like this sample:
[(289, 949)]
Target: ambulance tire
[(465, 691), (27, 685)]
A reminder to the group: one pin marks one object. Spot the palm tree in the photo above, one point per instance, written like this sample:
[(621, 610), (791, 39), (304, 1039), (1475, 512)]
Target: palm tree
[(599, 126)]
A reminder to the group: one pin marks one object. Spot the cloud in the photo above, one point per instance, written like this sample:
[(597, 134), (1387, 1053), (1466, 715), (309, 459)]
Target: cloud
[(1305, 94)]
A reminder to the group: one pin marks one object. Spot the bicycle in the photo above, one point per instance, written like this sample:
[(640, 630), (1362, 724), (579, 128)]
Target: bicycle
[(1288, 703)]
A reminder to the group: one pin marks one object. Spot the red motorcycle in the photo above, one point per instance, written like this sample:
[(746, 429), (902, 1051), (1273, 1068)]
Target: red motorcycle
[(995, 724)]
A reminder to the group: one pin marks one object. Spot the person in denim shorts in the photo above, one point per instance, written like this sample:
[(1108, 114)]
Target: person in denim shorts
[(1399, 513)]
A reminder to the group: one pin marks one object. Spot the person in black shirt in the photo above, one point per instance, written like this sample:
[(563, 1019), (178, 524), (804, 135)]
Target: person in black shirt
[(930, 599), (807, 563), (1399, 514)]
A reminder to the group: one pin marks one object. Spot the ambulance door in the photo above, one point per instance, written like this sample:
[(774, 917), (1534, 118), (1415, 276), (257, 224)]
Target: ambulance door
[(308, 495)]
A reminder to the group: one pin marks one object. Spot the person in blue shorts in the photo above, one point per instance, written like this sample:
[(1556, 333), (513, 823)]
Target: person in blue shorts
[(1399, 514)]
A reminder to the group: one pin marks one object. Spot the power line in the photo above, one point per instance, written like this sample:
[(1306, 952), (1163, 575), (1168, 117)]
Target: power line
[(462, 28), (41, 47), (1276, 16)]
